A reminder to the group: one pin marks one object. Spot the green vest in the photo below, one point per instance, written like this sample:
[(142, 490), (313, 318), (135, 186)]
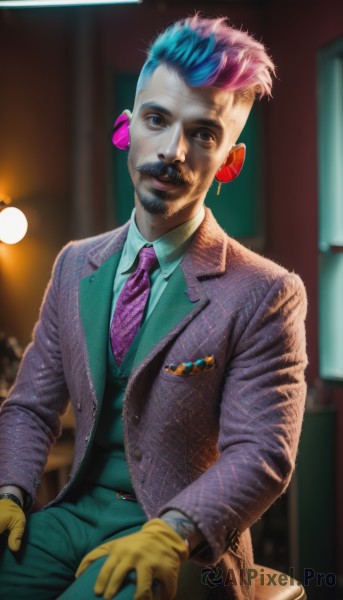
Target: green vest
[(107, 464)]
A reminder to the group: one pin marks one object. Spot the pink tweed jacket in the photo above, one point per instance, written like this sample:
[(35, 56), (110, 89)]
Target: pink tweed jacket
[(220, 445)]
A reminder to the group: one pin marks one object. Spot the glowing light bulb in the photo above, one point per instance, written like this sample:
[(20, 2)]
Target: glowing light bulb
[(13, 225)]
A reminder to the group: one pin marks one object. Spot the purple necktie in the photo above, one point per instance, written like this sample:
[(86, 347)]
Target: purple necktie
[(130, 306)]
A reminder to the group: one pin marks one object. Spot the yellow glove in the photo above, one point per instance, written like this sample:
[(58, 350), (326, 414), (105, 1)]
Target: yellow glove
[(12, 518), (154, 552)]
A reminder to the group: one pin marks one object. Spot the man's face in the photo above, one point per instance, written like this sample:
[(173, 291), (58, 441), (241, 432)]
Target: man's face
[(180, 136)]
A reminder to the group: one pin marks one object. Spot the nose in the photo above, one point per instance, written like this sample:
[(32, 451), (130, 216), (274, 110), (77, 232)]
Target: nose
[(173, 146)]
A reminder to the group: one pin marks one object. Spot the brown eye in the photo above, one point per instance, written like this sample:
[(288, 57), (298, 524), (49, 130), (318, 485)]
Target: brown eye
[(204, 135)]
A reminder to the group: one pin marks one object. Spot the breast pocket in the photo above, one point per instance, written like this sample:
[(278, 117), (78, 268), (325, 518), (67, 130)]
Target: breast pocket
[(189, 368), (190, 386)]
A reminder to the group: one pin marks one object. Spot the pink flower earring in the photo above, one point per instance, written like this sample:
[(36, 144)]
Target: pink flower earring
[(121, 132)]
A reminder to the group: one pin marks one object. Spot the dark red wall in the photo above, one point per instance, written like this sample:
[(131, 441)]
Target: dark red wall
[(295, 32), (35, 75)]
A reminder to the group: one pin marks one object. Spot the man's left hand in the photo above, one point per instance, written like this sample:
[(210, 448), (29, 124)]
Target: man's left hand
[(155, 553)]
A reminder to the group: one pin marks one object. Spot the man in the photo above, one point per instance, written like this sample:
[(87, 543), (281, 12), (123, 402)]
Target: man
[(182, 352)]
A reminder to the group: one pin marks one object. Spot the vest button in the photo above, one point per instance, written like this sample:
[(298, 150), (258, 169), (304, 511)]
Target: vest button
[(137, 454), (135, 419)]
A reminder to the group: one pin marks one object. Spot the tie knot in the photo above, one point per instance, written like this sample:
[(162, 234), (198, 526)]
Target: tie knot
[(147, 258)]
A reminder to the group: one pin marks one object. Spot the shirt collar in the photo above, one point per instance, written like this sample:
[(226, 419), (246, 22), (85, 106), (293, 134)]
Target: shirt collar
[(169, 248)]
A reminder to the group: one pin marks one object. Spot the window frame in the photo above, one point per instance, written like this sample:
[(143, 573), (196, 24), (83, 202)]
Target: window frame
[(330, 200)]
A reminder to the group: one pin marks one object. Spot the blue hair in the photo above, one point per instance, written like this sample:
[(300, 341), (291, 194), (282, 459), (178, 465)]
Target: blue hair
[(208, 52)]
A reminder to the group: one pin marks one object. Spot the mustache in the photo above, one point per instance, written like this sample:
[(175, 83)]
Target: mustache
[(172, 172)]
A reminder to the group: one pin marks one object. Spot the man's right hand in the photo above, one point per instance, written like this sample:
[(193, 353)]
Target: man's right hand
[(12, 519)]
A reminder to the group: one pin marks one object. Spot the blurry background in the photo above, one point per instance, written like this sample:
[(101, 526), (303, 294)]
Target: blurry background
[(65, 74)]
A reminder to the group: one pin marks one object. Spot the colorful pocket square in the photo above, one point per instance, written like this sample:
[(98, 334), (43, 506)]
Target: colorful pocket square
[(186, 369)]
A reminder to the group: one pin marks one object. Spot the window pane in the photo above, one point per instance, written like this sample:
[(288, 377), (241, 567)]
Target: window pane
[(330, 146), (330, 154), (331, 316)]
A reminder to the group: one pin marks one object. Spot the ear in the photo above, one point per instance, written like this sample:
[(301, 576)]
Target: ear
[(121, 131), (233, 164)]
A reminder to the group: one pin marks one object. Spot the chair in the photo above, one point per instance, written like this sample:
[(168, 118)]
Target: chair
[(281, 586)]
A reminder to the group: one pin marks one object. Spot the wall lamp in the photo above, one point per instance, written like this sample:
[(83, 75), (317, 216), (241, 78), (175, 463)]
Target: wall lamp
[(13, 223), (45, 3)]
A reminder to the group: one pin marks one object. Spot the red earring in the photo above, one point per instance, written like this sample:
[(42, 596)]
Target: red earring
[(121, 133), (232, 166)]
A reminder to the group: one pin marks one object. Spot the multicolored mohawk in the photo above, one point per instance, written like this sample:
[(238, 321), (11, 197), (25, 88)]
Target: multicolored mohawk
[(208, 52)]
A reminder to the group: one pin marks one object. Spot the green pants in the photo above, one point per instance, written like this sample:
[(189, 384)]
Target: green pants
[(57, 539)]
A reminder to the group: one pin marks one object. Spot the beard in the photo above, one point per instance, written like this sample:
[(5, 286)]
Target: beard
[(161, 202), (155, 204)]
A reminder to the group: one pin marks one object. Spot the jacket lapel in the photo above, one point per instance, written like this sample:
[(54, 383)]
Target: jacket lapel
[(95, 310), (95, 297), (170, 310), (206, 257)]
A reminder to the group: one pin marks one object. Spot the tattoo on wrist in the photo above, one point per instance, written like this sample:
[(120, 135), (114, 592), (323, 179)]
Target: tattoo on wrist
[(186, 529)]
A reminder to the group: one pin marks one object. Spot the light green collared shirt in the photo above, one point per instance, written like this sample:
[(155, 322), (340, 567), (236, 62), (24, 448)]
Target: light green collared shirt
[(169, 251)]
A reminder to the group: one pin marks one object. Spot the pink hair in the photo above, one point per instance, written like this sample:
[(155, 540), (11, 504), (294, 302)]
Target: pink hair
[(210, 52)]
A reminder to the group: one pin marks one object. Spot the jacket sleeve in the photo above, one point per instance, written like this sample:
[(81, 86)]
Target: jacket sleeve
[(261, 414), (29, 419)]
